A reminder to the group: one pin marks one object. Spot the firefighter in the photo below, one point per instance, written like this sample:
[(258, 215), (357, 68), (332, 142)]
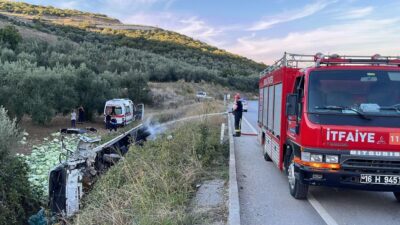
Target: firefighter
[(237, 113)]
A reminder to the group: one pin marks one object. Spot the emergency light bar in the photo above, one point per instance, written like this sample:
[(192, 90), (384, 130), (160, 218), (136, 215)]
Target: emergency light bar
[(360, 60), (302, 61)]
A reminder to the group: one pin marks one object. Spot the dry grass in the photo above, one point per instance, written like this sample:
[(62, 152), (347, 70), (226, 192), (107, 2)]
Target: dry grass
[(66, 20), (154, 183), (107, 136), (28, 33), (126, 27), (199, 108), (173, 94)]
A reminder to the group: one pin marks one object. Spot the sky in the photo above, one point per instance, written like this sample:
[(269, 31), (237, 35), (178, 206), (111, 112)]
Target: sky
[(263, 30)]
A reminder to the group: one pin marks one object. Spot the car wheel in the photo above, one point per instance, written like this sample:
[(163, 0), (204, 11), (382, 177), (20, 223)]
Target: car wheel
[(297, 189)]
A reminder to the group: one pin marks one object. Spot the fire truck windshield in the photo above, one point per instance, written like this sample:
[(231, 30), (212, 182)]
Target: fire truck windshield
[(364, 93)]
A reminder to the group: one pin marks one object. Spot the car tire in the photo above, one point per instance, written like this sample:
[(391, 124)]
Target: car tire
[(397, 196), (297, 189)]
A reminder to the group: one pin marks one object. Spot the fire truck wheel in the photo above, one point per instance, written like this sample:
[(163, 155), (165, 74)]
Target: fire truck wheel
[(297, 189), (397, 196), (267, 158)]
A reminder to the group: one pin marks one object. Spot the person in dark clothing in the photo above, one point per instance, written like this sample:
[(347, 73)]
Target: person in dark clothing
[(81, 114), (237, 113), (114, 124), (108, 121)]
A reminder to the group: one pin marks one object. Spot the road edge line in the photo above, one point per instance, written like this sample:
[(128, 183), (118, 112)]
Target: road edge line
[(321, 210), (234, 207), (251, 126)]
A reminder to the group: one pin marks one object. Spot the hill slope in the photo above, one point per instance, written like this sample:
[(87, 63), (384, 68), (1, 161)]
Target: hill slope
[(58, 65), (134, 36)]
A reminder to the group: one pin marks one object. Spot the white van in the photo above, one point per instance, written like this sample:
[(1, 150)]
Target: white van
[(122, 110)]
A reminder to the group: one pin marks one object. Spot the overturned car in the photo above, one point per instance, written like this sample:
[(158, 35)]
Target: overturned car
[(72, 178)]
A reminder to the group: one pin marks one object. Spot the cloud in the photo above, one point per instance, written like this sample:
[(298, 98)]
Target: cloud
[(153, 19), (169, 4), (198, 28), (357, 13), (191, 26), (355, 37), (306, 11)]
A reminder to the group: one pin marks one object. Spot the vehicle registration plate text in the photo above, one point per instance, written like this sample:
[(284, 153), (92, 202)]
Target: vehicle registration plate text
[(380, 179)]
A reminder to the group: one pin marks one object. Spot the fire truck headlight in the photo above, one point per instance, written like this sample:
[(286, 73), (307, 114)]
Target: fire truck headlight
[(305, 156), (332, 159), (316, 158)]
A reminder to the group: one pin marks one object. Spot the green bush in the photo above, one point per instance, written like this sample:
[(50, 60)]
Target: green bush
[(10, 36), (208, 147), (16, 198)]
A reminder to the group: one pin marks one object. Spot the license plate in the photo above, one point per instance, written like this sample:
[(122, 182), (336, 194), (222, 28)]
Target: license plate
[(380, 179)]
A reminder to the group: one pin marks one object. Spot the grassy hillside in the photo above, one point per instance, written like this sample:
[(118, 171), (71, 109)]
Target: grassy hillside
[(37, 10), (49, 65), (152, 39)]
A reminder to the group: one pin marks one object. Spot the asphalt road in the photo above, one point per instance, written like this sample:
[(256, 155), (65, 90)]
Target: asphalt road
[(265, 199)]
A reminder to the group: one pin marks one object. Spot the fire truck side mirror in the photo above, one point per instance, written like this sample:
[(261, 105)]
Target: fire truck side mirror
[(291, 105)]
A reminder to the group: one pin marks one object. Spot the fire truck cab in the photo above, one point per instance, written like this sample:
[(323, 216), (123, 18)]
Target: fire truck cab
[(332, 121)]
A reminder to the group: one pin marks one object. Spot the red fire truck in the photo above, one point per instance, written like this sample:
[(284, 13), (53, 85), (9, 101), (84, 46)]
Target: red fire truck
[(333, 121)]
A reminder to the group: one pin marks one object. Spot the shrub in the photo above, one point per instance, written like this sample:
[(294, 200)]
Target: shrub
[(16, 198), (10, 36)]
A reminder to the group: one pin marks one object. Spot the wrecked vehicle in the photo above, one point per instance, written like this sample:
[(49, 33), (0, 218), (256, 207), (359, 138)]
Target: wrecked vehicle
[(72, 178)]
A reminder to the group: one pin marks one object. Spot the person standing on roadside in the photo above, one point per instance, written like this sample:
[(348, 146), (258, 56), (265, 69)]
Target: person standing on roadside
[(237, 113), (73, 119)]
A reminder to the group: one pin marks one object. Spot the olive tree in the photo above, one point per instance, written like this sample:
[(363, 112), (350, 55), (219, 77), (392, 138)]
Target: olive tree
[(10, 35)]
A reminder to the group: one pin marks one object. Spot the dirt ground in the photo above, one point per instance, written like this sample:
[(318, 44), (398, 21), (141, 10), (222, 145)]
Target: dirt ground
[(38, 132)]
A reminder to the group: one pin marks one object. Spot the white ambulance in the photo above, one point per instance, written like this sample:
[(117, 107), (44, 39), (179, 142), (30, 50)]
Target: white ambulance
[(122, 111)]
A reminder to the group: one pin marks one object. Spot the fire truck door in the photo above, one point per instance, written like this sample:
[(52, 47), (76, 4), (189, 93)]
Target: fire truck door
[(294, 120)]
